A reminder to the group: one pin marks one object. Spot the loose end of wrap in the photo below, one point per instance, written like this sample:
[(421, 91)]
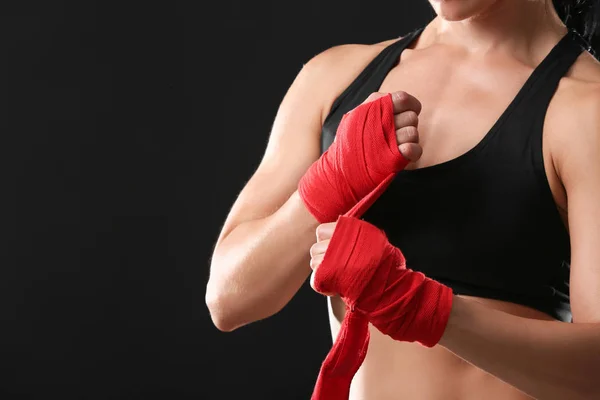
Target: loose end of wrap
[(344, 359)]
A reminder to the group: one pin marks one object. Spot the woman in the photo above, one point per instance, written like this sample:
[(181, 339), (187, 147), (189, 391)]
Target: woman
[(485, 207)]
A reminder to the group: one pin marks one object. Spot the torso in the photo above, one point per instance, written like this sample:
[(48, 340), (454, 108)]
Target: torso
[(462, 89)]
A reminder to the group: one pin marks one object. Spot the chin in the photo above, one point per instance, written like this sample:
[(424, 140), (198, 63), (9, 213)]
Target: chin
[(459, 10)]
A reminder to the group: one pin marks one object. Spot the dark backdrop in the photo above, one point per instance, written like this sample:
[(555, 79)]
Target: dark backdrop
[(127, 130)]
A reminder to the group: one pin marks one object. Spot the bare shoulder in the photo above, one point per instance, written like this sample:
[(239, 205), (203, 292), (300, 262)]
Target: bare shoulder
[(335, 68), (580, 88), (574, 114)]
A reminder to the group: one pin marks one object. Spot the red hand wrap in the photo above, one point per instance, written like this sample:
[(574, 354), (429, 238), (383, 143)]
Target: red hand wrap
[(359, 164), (371, 276)]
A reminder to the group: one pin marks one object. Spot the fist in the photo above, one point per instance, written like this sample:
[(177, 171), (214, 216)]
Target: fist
[(317, 251), (406, 117)]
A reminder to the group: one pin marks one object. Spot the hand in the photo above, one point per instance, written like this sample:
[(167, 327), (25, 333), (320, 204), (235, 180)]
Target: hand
[(406, 118), (371, 276), (324, 233), (373, 142)]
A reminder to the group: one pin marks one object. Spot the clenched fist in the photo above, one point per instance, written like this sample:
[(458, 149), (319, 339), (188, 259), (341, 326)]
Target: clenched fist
[(406, 118)]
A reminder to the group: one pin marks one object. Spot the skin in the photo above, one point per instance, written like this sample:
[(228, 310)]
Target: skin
[(490, 349)]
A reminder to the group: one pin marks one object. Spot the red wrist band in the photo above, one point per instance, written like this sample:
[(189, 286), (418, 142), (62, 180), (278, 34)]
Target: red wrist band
[(360, 163), (371, 277)]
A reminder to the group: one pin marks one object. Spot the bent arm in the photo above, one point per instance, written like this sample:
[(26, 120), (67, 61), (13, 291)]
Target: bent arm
[(259, 266), (262, 255)]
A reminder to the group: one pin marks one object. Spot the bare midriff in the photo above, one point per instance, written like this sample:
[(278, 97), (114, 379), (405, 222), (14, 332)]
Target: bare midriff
[(395, 370)]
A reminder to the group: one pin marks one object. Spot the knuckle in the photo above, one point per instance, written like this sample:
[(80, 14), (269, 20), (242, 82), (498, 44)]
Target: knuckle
[(417, 150), (313, 250), (419, 106), (316, 264), (319, 232), (411, 118), (400, 96), (412, 133)]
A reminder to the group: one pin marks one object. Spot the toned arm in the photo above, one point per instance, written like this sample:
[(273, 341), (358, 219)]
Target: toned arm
[(261, 257)]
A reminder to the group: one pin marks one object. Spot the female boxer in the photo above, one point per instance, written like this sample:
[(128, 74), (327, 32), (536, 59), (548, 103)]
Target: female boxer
[(452, 210)]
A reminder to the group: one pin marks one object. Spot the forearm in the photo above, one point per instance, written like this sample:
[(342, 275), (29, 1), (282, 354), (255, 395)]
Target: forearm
[(545, 359), (260, 265)]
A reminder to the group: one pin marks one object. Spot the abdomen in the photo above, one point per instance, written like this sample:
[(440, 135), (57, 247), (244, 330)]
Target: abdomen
[(397, 370)]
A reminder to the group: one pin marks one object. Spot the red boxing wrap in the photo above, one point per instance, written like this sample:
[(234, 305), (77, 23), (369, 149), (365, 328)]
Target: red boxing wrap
[(360, 264), (371, 277), (359, 164)]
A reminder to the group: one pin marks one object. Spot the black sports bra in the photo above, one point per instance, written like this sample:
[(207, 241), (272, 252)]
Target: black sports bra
[(484, 223)]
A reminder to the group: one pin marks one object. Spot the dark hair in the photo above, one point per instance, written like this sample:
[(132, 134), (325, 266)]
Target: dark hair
[(582, 16)]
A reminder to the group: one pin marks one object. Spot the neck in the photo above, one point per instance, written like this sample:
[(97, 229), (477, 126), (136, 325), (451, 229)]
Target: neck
[(512, 25)]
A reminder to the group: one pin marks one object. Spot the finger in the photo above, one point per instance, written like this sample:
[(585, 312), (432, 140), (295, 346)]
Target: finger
[(325, 231), (408, 134), (406, 118), (411, 151), (316, 261), (374, 96), (319, 248), (405, 102)]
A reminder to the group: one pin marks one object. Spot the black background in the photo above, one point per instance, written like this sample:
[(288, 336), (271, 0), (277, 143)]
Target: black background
[(127, 130)]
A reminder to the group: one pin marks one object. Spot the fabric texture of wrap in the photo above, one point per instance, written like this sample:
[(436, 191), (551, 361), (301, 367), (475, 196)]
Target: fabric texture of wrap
[(371, 277), (359, 165), (360, 264)]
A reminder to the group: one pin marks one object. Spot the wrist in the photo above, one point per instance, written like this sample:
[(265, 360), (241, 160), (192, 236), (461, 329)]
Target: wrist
[(458, 315)]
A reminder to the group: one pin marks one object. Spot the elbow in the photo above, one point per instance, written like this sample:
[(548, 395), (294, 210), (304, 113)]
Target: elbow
[(221, 300), (222, 315), (234, 303), (230, 311)]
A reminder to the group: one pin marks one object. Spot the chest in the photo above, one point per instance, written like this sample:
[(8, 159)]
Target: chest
[(462, 100)]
